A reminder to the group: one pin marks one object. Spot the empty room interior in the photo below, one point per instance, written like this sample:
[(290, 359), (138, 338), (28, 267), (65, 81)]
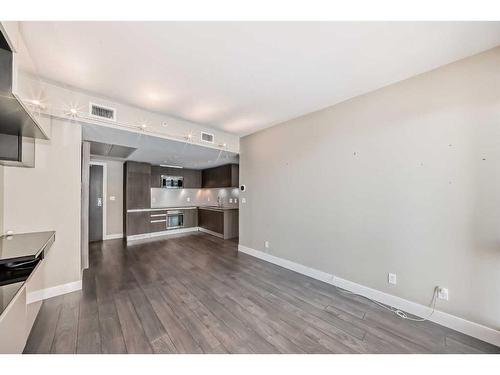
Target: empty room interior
[(249, 187)]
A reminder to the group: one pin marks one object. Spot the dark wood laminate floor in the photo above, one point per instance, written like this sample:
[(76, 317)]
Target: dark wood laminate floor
[(196, 294)]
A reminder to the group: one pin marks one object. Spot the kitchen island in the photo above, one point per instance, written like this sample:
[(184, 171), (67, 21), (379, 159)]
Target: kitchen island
[(218, 221)]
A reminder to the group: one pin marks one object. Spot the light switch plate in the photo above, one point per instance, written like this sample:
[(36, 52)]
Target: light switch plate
[(112, 198), (243, 200), (392, 278)]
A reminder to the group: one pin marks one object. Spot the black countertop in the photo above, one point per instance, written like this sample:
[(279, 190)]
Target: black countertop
[(24, 246), (19, 255)]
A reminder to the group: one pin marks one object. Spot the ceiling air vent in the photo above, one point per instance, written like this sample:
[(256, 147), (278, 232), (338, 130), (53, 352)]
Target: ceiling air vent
[(102, 112), (207, 137)]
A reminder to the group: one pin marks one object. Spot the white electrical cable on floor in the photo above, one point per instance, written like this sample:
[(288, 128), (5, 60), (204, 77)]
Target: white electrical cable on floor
[(398, 312)]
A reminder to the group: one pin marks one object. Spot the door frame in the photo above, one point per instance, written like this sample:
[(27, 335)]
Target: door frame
[(104, 191)]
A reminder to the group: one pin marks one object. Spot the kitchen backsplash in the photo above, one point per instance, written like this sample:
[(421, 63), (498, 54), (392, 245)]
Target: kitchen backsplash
[(193, 197)]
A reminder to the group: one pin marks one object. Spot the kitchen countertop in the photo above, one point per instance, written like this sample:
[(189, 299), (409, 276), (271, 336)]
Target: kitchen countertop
[(213, 208), (24, 246), (20, 248), (216, 208)]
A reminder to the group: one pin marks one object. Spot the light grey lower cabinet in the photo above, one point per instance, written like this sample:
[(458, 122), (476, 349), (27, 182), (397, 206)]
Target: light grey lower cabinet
[(13, 325), (18, 318)]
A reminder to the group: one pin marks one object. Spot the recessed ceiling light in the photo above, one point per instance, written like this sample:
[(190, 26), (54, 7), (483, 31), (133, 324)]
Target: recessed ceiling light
[(143, 126), (73, 111), (35, 102)]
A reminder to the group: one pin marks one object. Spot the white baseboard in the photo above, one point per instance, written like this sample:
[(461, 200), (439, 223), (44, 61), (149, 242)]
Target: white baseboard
[(456, 323), (39, 295), (113, 236), (163, 233)]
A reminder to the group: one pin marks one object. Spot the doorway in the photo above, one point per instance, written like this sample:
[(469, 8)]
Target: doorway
[(97, 201)]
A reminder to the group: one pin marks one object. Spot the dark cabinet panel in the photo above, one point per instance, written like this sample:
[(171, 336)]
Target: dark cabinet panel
[(137, 167), (192, 178), (136, 194), (211, 220), (156, 176), (235, 175), (157, 221), (137, 223), (157, 225), (190, 218), (208, 178), (221, 177)]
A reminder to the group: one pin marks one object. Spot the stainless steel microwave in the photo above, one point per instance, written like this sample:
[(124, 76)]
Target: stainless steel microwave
[(172, 182)]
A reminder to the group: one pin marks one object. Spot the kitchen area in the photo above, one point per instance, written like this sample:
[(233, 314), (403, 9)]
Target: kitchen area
[(161, 200)]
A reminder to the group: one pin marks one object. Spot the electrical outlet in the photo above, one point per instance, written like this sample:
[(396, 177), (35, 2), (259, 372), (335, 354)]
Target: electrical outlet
[(230, 200), (243, 200), (112, 198), (392, 278), (266, 244), (443, 293), (188, 199)]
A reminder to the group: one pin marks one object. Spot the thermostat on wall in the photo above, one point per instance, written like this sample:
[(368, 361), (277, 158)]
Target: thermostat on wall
[(243, 187)]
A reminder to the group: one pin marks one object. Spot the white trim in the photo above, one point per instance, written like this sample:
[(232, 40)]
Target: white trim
[(40, 295), (467, 327), (104, 194), (113, 236), (212, 233), (162, 233)]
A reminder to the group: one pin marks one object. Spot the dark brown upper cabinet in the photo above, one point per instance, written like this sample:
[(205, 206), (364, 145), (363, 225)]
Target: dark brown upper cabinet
[(136, 184), (156, 176), (192, 178), (221, 177)]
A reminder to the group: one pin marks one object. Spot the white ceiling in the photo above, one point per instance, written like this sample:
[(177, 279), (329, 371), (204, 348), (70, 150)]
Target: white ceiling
[(244, 76), (157, 150)]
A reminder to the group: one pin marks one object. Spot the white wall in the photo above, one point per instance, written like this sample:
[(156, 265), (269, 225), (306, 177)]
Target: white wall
[(47, 197), (405, 179)]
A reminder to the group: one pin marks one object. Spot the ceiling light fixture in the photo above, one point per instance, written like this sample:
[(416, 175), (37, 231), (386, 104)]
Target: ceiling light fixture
[(171, 166)]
